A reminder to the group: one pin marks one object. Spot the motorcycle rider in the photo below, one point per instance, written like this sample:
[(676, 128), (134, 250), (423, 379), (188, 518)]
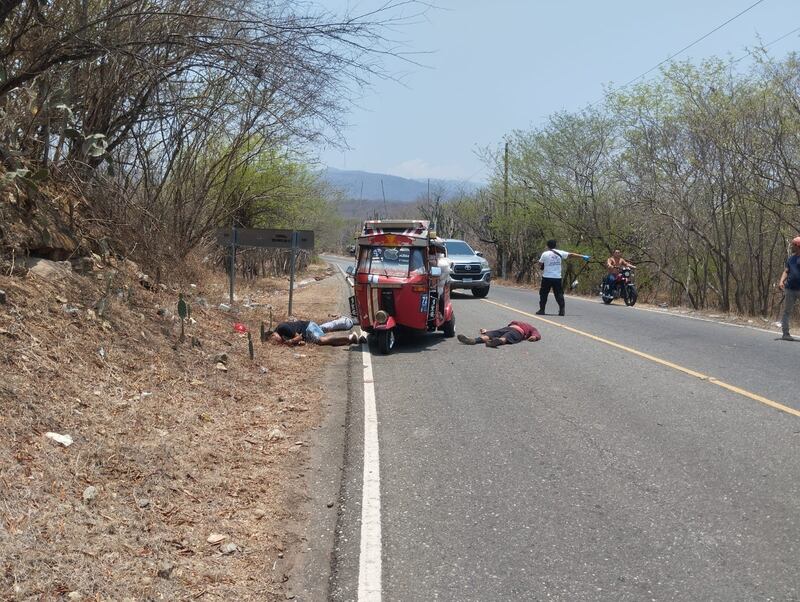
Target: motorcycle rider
[(614, 264)]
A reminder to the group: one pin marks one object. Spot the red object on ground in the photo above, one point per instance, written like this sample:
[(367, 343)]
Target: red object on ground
[(239, 327)]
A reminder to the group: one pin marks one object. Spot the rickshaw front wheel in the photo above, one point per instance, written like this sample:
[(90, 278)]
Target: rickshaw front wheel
[(386, 341)]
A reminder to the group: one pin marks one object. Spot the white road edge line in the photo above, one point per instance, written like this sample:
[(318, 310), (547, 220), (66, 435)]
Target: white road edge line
[(370, 554), (369, 562)]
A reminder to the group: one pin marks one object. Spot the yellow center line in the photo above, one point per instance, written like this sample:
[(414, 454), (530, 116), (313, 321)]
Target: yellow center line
[(658, 360)]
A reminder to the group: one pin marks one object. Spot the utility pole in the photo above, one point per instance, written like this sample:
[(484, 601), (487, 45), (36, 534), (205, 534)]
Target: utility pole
[(505, 212)]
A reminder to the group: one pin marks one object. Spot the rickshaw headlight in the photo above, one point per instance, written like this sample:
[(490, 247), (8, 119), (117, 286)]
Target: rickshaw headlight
[(381, 317)]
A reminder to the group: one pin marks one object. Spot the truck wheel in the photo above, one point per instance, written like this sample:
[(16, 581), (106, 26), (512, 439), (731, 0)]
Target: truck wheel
[(480, 293), (386, 341)]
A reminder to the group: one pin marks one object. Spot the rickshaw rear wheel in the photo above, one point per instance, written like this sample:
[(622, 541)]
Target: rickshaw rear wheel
[(386, 341), (449, 328)]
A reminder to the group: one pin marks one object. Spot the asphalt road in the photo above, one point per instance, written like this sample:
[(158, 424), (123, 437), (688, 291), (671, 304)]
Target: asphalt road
[(633, 455)]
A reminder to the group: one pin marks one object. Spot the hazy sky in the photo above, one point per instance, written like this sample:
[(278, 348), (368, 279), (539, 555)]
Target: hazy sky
[(498, 65)]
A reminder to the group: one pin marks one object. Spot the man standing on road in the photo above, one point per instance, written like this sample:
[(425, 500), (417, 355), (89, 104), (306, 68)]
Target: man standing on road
[(550, 263), (790, 285)]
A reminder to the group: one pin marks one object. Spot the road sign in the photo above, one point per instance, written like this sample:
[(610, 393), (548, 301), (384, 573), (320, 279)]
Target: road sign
[(266, 238)]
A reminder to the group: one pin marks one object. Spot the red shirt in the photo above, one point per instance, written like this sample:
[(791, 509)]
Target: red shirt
[(527, 330)]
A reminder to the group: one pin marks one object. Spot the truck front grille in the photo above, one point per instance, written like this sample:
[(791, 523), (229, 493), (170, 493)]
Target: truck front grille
[(467, 269)]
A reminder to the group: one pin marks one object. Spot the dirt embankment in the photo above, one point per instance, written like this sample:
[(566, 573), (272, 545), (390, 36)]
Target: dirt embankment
[(185, 469)]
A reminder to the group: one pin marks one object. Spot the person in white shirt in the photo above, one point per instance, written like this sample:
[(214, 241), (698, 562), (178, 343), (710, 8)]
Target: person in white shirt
[(550, 263)]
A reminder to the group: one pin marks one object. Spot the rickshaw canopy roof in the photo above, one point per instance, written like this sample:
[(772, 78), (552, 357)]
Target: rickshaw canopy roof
[(400, 233)]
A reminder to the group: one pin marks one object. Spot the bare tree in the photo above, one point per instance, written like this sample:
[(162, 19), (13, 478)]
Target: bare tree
[(157, 107)]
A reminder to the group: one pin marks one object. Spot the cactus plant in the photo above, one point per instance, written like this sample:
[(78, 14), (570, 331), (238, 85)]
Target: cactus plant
[(184, 311)]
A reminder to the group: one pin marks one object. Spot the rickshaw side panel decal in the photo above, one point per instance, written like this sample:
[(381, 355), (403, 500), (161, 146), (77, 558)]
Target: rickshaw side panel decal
[(392, 240), (432, 310), (374, 303), (411, 228)]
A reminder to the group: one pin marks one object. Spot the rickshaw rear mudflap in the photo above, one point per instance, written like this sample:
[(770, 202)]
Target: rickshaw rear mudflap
[(448, 310), (388, 325), (354, 309)]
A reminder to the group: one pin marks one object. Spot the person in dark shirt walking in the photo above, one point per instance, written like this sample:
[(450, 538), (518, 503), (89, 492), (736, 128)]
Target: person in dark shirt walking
[(790, 285), (515, 332)]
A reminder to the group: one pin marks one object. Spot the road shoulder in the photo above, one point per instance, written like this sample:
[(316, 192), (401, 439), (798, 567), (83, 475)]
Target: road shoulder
[(314, 556)]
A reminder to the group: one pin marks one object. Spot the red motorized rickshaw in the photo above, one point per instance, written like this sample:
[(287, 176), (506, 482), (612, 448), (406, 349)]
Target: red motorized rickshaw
[(400, 281)]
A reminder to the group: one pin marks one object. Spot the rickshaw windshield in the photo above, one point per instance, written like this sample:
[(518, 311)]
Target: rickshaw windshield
[(391, 261)]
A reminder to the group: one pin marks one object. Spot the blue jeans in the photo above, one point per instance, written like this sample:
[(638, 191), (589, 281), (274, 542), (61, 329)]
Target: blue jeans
[(313, 332), (343, 323)]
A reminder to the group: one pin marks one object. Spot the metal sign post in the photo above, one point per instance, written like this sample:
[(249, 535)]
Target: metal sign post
[(233, 262), (295, 242)]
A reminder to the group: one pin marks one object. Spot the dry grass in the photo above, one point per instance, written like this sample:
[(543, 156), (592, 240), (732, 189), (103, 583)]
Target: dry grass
[(175, 448)]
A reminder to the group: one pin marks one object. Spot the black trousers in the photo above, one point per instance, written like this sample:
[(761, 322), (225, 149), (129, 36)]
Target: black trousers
[(558, 292)]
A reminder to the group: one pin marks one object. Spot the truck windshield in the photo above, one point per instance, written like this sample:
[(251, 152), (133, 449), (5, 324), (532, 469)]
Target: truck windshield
[(458, 247), (391, 261)]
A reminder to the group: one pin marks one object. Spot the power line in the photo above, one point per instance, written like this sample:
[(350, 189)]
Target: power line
[(685, 48), (697, 41), (783, 37), (775, 41)]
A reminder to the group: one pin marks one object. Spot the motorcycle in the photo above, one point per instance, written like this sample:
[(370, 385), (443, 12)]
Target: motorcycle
[(623, 287)]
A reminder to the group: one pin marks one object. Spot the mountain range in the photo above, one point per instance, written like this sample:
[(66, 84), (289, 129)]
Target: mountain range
[(367, 186)]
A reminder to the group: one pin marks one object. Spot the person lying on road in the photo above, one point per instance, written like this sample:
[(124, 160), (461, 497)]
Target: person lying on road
[(515, 332), (300, 332)]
